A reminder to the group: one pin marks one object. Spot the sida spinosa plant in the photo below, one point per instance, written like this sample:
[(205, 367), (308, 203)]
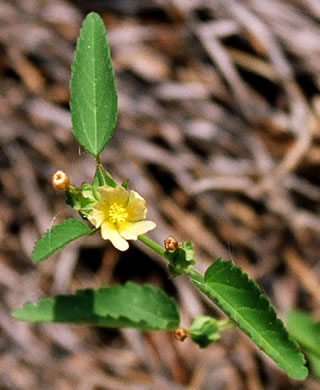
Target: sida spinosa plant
[(119, 214)]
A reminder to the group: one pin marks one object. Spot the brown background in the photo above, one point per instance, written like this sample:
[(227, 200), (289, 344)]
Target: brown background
[(218, 129)]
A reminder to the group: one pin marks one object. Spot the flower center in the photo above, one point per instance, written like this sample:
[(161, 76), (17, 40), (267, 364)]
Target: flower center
[(117, 214)]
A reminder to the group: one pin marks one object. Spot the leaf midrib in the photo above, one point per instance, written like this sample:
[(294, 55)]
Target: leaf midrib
[(95, 88)]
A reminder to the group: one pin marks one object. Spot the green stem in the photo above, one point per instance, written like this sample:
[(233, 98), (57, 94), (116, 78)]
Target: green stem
[(153, 245), (196, 277), (225, 325), (193, 274), (98, 159), (198, 280)]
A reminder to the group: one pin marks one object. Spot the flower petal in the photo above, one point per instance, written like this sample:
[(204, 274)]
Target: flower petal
[(131, 231), (97, 216), (108, 232), (110, 195), (137, 208), (120, 215)]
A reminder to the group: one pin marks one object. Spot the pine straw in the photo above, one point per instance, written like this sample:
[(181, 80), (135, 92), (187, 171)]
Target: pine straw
[(218, 129)]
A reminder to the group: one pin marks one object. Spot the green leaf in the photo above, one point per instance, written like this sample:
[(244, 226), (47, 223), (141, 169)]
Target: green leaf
[(314, 361), (306, 332), (93, 91), (204, 331), (125, 184), (180, 259), (103, 178), (82, 199), (58, 237), (128, 306), (242, 300)]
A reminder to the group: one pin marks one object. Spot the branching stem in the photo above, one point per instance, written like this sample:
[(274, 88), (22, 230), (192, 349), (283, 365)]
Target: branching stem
[(196, 278)]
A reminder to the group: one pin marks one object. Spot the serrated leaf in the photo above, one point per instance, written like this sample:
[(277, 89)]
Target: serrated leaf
[(58, 237), (128, 306), (242, 300), (93, 91)]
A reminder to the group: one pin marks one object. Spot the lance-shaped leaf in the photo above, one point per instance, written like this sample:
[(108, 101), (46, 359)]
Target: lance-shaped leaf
[(58, 237), (242, 300), (128, 306), (93, 91)]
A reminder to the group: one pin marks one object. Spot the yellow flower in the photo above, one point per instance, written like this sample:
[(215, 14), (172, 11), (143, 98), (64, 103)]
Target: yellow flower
[(120, 215)]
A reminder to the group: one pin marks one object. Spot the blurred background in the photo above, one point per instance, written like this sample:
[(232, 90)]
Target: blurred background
[(219, 107)]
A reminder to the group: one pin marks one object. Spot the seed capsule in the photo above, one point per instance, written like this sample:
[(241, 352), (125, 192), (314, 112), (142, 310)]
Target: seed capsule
[(181, 334), (171, 244), (60, 181)]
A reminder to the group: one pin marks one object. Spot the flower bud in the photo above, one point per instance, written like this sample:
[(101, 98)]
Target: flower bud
[(60, 181), (171, 244), (181, 334)]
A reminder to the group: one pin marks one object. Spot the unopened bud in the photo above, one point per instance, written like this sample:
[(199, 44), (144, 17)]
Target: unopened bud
[(181, 334), (60, 181), (171, 244)]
